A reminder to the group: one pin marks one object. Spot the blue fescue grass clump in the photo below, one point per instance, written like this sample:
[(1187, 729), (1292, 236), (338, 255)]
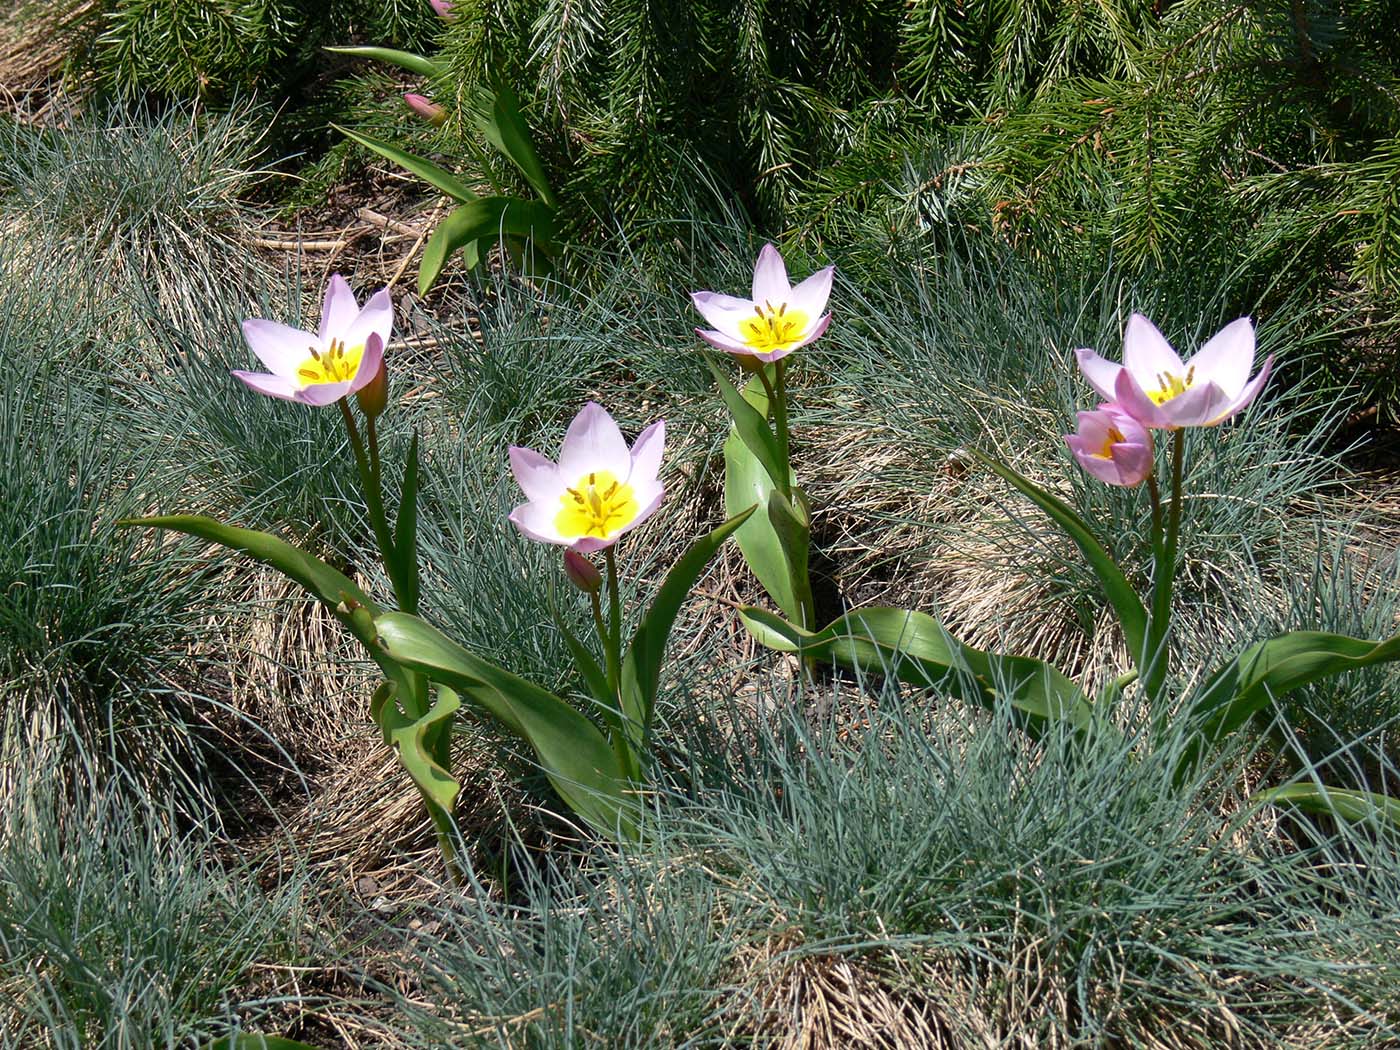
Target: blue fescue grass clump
[(117, 929), (1066, 893)]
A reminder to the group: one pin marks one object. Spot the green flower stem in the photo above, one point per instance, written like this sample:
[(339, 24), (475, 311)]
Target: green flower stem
[(1165, 543), (443, 829), (777, 401), (605, 639)]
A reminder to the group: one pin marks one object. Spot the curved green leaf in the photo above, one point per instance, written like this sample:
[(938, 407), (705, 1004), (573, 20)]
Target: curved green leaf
[(1131, 613), (749, 411), (250, 1041), (487, 218), (424, 67), (571, 750), (641, 667), (404, 570), (1271, 669), (414, 164), (332, 587), (915, 648), (421, 743), (506, 129), (1342, 803)]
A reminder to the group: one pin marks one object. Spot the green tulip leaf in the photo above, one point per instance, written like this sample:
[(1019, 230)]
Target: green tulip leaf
[(749, 411), (571, 750), (332, 588), (424, 67), (1342, 803), (641, 666), (251, 1041), (485, 219), (423, 743), (1270, 670), (414, 164), (505, 128), (1131, 613), (404, 558), (913, 647)]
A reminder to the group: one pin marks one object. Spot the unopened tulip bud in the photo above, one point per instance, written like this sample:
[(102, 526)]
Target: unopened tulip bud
[(582, 573), (426, 108), (443, 9), (374, 395)]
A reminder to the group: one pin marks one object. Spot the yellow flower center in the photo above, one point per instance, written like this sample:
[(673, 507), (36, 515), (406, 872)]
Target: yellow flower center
[(1170, 386), (1114, 437), (597, 506), (772, 329), (335, 365)]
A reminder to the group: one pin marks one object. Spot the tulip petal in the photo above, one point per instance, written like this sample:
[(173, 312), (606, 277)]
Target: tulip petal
[(536, 520), (1248, 394), (649, 497), (536, 475), (1227, 357), (370, 363), (1203, 402), (723, 311), (377, 317), (1137, 404), (319, 394), (646, 455), (593, 442), (1133, 462), (1101, 373), (770, 279), (1147, 354), (272, 386), (338, 310), (280, 347), (812, 294), (729, 344), (814, 333)]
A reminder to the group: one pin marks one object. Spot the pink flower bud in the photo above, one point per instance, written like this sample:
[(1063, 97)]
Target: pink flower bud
[(443, 9), (582, 573), (1112, 446), (426, 108)]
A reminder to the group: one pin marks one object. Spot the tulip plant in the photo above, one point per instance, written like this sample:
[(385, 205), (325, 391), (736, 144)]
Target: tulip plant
[(1151, 391), (597, 492), (477, 222), (760, 333)]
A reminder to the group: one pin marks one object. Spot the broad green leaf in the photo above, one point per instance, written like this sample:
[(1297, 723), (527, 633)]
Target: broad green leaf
[(414, 164), (421, 742), (747, 484), (915, 648), (641, 666), (485, 219), (749, 411), (405, 554), (571, 750), (506, 129), (250, 1041), (1342, 803), (792, 526), (1272, 669), (1132, 615), (424, 67)]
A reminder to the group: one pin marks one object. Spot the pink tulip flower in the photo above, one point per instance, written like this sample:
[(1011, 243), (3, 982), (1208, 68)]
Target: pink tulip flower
[(776, 321), (599, 489), (443, 9), (1113, 446), (342, 357), (426, 108), (1160, 391)]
